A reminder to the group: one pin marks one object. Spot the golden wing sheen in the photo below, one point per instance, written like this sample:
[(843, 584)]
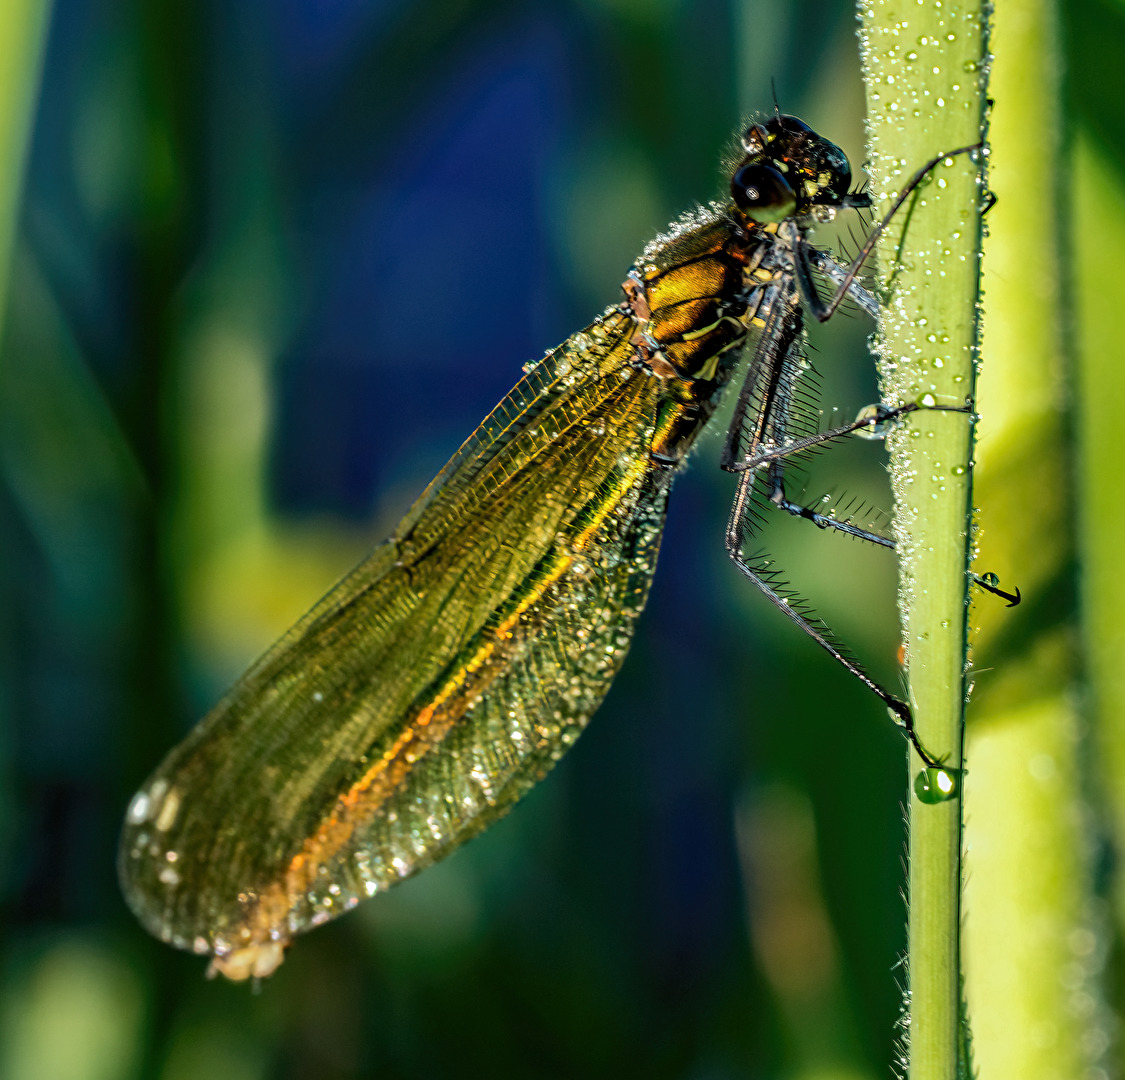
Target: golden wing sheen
[(443, 677), (433, 686)]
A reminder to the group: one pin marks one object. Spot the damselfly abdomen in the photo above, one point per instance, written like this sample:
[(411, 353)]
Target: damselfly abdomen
[(436, 683)]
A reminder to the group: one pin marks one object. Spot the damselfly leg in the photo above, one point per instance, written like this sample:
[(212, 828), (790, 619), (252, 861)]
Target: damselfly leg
[(768, 428)]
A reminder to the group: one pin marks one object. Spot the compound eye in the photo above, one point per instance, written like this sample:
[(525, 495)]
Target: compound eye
[(834, 161), (793, 125), (754, 140), (784, 124), (762, 194)]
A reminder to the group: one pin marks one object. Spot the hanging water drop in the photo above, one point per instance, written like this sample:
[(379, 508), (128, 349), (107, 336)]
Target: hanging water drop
[(937, 785)]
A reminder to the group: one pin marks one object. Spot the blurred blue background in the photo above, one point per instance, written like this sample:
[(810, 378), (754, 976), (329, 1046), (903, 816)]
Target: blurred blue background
[(275, 261)]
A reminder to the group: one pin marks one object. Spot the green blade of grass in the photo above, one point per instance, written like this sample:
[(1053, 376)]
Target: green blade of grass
[(1031, 943), (23, 27), (1098, 224)]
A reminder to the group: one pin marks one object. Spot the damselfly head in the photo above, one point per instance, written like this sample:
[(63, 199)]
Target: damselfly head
[(788, 170)]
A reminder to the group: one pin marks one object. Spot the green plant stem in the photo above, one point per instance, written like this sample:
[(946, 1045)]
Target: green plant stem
[(924, 74), (1098, 218), (23, 26), (1031, 941)]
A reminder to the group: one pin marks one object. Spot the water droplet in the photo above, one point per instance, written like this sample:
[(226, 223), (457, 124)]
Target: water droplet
[(937, 785), (875, 429)]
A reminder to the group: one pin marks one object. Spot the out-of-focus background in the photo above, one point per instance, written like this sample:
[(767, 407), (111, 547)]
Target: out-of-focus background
[(271, 263)]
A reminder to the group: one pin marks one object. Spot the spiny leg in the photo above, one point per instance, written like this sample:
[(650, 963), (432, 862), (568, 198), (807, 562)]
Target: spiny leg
[(878, 417), (765, 581), (774, 455), (987, 581), (882, 415), (837, 275), (772, 458), (815, 628), (875, 418), (766, 384), (778, 497)]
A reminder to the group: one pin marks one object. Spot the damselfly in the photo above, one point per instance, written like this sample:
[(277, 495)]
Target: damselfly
[(443, 677)]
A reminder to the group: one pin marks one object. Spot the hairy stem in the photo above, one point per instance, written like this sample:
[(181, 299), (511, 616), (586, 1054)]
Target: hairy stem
[(925, 75)]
